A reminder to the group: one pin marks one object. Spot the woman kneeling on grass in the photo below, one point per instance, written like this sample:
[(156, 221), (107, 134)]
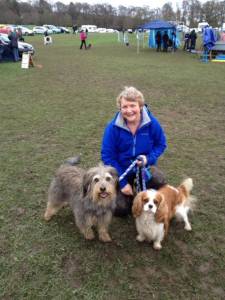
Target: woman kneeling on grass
[(134, 131)]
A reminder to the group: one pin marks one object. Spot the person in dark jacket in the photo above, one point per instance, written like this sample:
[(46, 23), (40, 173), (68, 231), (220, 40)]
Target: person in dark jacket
[(158, 40), (75, 27), (20, 34), (186, 41), (193, 38), (133, 132), (14, 44), (165, 39)]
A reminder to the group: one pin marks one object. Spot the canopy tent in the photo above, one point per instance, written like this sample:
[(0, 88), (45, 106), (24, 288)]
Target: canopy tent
[(158, 25)]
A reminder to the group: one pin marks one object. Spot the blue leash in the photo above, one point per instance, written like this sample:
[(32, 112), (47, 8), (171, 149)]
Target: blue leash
[(140, 172)]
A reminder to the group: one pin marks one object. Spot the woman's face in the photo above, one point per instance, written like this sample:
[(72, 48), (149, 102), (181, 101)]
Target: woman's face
[(131, 111)]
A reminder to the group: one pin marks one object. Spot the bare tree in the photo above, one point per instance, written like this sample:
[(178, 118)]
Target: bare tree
[(221, 13), (210, 12), (167, 12), (104, 15), (195, 13)]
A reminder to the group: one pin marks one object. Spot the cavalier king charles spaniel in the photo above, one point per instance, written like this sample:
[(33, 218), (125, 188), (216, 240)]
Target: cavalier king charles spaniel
[(153, 211)]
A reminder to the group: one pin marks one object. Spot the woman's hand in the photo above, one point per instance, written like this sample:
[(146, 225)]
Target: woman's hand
[(143, 161), (127, 190)]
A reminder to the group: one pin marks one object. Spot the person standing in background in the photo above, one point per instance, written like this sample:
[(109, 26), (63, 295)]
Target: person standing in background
[(193, 38), (83, 37), (13, 37), (165, 39), (158, 40), (186, 41)]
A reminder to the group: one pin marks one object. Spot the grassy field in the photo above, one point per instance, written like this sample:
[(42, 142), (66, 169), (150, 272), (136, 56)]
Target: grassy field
[(59, 109)]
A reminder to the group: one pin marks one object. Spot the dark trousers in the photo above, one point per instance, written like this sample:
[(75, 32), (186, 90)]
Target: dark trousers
[(15, 53), (158, 47), (165, 46), (186, 45), (83, 42), (124, 203)]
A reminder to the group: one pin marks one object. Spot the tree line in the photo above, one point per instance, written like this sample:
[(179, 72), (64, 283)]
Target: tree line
[(39, 12)]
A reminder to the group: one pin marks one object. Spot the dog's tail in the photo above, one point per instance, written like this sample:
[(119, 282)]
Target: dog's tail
[(72, 161), (185, 189), (187, 185)]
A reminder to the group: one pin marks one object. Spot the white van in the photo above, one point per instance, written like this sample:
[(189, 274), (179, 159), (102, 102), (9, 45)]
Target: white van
[(201, 25), (90, 28), (223, 27), (183, 28)]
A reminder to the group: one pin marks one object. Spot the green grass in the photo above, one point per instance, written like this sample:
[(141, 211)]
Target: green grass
[(48, 114)]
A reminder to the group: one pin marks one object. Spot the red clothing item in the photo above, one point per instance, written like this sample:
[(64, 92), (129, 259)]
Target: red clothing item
[(222, 37), (83, 36)]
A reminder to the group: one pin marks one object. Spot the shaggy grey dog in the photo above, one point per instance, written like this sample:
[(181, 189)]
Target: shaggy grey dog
[(91, 195)]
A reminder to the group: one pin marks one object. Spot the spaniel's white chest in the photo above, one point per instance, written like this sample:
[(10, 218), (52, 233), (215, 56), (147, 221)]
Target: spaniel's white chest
[(148, 228)]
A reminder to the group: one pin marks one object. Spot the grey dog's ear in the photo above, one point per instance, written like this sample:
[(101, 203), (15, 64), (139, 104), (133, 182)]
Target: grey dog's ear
[(112, 171), (87, 179)]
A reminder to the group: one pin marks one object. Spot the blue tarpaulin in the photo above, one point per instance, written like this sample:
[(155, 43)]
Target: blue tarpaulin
[(209, 38)]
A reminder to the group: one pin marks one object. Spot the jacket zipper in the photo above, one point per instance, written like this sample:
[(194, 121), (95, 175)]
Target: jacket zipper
[(134, 145)]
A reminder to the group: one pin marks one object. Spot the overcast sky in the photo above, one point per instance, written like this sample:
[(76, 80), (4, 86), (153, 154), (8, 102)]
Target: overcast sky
[(115, 3)]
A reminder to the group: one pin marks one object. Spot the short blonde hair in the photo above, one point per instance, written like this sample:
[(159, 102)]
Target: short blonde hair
[(131, 94)]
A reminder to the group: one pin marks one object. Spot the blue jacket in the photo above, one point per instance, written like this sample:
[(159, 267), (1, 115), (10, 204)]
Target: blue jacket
[(120, 147)]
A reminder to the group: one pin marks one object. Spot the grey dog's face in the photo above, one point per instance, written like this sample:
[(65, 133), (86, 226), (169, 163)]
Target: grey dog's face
[(102, 184)]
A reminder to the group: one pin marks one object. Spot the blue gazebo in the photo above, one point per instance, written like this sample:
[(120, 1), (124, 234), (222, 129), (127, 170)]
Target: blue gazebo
[(157, 25)]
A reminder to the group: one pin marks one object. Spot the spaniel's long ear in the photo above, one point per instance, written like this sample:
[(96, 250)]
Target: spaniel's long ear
[(138, 205), (162, 209)]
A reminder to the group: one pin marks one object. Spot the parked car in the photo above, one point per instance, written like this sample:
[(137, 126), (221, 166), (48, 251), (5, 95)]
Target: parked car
[(4, 38), (53, 28), (25, 30), (64, 29), (89, 28), (22, 46), (6, 29), (25, 47), (182, 28), (101, 30), (41, 30), (110, 30)]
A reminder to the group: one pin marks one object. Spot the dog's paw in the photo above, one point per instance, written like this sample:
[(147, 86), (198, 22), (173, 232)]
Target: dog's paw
[(157, 246), (105, 237), (140, 238), (188, 227), (47, 216), (89, 235)]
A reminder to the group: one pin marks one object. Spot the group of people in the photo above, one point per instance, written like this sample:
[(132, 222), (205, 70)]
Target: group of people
[(12, 49), (133, 133), (190, 40), (165, 41)]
